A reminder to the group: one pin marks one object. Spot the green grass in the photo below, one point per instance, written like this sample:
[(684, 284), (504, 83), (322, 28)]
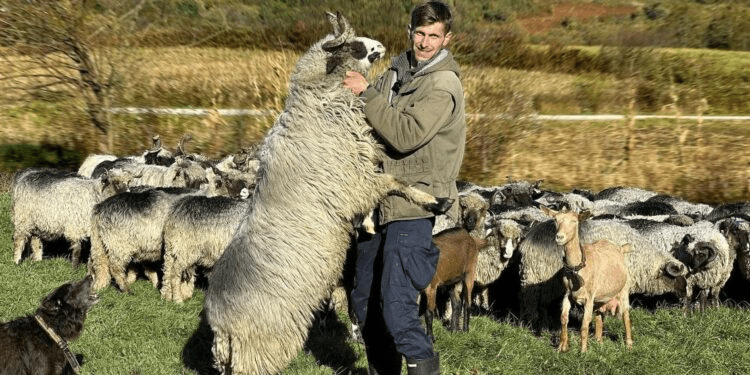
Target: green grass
[(141, 334)]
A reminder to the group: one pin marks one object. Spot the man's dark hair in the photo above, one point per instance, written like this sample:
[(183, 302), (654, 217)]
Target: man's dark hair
[(430, 12)]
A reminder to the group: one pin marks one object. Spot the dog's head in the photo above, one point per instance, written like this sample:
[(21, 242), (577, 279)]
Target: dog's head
[(65, 309)]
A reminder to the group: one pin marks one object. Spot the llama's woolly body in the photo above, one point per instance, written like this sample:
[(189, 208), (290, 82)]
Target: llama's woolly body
[(317, 171)]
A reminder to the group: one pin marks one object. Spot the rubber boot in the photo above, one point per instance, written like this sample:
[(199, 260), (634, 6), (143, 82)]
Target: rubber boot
[(429, 366)]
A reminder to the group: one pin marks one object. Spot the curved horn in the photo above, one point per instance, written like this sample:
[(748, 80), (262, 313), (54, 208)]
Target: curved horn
[(187, 137), (675, 269)]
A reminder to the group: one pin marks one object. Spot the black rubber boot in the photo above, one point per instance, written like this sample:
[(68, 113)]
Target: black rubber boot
[(429, 366)]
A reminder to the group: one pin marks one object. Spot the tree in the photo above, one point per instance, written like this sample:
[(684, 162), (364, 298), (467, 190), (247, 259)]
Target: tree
[(54, 47)]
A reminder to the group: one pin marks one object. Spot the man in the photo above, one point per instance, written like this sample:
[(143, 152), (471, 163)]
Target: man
[(417, 109)]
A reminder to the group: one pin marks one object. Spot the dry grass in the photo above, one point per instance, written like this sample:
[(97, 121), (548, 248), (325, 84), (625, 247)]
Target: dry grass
[(699, 162), (706, 164)]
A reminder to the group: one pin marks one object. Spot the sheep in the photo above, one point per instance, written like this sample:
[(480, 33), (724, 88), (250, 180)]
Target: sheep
[(126, 228), (683, 207), (318, 170), (47, 204), (94, 165), (87, 167), (196, 232), (710, 274), (624, 194), (652, 270), (595, 275), (503, 238), (736, 229), (459, 250), (181, 173), (728, 210)]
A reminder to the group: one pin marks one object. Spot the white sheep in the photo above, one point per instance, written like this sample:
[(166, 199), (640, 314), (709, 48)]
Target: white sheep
[(128, 227), (196, 232), (48, 204)]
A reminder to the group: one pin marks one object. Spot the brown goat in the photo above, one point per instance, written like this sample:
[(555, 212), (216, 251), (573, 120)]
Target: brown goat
[(458, 260), (595, 276)]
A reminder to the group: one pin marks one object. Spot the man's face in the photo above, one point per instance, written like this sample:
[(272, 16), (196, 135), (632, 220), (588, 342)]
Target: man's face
[(428, 40)]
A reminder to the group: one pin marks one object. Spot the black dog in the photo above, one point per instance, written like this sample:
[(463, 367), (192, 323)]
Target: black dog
[(38, 344)]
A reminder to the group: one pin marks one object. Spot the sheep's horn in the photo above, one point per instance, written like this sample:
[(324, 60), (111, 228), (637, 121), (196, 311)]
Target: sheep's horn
[(675, 269), (187, 137)]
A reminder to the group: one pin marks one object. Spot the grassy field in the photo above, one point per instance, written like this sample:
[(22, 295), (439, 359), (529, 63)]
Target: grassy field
[(142, 334)]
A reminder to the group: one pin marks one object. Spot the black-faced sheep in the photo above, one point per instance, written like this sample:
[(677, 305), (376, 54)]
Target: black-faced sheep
[(318, 170), (49, 204), (706, 274)]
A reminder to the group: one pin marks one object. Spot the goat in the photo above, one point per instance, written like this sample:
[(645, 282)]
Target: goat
[(652, 270), (459, 251), (595, 276)]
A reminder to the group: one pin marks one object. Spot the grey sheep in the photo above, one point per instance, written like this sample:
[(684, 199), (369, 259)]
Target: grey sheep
[(196, 232), (624, 194), (318, 171), (711, 276), (48, 204), (126, 228)]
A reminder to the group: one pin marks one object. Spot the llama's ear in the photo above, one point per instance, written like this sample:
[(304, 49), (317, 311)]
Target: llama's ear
[(585, 214)]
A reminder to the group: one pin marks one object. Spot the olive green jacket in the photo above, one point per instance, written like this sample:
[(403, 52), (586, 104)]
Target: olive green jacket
[(423, 129)]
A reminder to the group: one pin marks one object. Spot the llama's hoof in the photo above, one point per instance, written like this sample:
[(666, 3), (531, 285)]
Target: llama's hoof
[(442, 206)]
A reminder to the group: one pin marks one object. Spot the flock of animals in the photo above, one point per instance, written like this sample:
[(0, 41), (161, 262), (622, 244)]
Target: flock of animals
[(273, 225)]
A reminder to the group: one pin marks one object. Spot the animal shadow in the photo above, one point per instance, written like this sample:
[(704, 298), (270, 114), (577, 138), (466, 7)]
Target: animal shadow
[(327, 342)]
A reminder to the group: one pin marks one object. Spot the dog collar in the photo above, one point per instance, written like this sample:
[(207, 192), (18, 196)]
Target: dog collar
[(61, 343)]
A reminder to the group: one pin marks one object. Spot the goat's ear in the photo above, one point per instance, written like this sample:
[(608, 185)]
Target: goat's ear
[(584, 215)]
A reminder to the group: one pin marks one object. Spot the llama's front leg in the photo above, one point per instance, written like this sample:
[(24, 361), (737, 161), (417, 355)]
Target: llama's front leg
[(588, 310), (436, 205), (75, 250), (564, 345)]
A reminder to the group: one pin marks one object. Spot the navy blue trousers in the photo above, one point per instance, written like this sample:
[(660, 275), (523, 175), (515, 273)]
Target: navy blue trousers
[(391, 268)]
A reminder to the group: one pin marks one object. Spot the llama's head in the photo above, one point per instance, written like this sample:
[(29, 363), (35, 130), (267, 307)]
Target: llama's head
[(347, 52)]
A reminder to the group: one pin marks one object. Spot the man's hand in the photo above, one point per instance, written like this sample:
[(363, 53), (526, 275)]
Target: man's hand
[(356, 82)]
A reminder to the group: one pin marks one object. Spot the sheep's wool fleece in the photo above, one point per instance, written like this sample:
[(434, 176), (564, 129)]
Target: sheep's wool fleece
[(317, 171)]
